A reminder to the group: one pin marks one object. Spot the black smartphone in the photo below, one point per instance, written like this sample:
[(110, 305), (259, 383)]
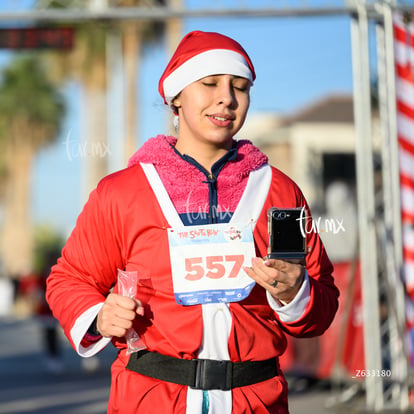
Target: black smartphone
[(287, 237)]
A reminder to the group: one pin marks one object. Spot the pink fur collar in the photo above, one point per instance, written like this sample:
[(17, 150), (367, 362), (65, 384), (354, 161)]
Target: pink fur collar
[(186, 184), (158, 151)]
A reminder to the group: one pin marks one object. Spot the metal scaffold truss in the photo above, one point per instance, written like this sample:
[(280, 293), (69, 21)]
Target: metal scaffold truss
[(78, 10)]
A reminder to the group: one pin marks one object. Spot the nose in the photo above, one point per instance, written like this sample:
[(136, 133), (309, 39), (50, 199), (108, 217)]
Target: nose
[(226, 95)]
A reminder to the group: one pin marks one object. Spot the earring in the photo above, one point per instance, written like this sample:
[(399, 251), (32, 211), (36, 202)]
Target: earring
[(176, 122)]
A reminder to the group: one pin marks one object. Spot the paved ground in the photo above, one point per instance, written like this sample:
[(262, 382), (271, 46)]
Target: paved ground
[(26, 386)]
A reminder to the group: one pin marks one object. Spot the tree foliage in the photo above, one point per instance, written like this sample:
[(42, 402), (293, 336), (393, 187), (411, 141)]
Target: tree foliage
[(28, 97), (31, 112), (91, 41)]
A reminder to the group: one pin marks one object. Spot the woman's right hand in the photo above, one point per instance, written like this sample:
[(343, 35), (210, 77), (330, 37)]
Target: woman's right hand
[(117, 315)]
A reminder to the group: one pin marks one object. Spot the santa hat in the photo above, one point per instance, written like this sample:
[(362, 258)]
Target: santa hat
[(202, 54)]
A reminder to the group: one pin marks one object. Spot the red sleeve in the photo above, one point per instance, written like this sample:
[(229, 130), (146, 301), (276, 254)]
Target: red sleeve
[(87, 269), (323, 303)]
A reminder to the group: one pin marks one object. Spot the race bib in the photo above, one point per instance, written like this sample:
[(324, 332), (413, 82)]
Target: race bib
[(207, 263)]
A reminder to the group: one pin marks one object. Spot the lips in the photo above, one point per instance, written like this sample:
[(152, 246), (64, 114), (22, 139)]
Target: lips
[(221, 119)]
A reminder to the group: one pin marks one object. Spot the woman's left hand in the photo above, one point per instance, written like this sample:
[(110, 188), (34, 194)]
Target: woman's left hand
[(280, 278)]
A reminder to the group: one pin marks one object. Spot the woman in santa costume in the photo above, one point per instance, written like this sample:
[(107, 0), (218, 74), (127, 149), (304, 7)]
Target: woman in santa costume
[(188, 217)]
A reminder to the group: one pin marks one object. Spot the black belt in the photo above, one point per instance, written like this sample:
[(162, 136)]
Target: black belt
[(202, 374)]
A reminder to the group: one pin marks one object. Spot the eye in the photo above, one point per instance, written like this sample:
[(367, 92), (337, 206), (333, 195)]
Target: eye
[(241, 88), (209, 83), (241, 85)]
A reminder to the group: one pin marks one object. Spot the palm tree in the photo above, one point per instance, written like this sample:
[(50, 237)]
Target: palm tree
[(87, 62), (135, 35), (31, 111)]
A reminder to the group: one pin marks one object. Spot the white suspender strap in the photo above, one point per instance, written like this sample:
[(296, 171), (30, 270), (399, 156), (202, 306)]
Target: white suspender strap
[(248, 209), (254, 196), (162, 196)]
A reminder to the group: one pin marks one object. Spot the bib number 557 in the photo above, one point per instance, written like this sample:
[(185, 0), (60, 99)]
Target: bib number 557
[(213, 267)]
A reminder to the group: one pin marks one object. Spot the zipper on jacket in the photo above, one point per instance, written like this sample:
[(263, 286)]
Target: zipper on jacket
[(212, 198), (211, 179)]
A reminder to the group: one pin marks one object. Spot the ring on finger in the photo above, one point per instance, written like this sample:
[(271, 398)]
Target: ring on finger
[(274, 284)]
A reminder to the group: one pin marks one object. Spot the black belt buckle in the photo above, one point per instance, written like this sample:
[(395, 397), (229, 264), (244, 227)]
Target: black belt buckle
[(213, 375)]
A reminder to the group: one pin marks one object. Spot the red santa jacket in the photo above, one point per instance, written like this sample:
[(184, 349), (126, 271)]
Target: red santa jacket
[(123, 227)]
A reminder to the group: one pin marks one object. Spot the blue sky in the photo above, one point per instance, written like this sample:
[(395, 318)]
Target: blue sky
[(297, 60)]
